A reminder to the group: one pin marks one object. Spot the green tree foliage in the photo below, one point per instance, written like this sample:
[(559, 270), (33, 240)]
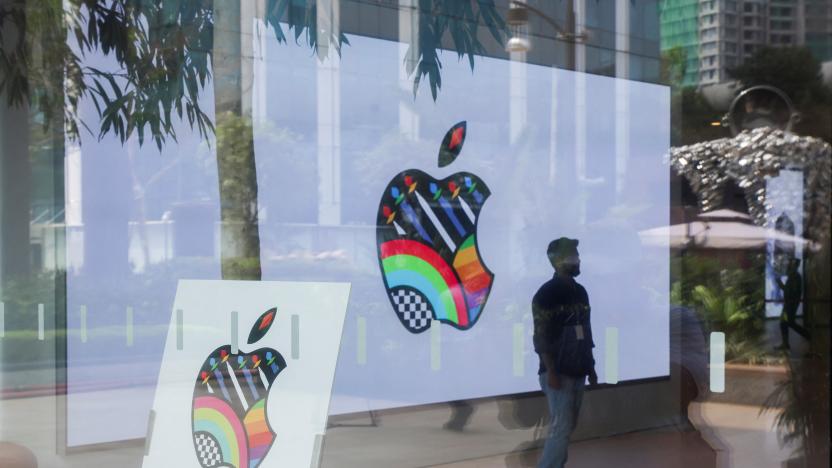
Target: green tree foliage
[(673, 66), (728, 299), (460, 20), (163, 51), (692, 116), (696, 119), (801, 405), (792, 69), (162, 54), (797, 73)]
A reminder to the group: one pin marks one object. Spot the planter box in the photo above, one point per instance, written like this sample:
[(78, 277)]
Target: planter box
[(748, 384)]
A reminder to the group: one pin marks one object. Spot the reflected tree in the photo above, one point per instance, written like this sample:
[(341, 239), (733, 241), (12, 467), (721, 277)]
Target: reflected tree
[(802, 406), (440, 23), (796, 72), (240, 243), (31, 78), (164, 55), (673, 66), (458, 20)]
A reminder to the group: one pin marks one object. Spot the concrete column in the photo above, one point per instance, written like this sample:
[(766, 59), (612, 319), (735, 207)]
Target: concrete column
[(247, 44), (518, 95), (518, 117), (256, 64), (408, 57), (73, 204), (553, 130), (622, 93), (800, 22), (580, 27), (329, 114), (580, 108)]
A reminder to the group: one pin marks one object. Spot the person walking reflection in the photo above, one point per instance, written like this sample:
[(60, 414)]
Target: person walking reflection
[(792, 296), (461, 412), (563, 341)]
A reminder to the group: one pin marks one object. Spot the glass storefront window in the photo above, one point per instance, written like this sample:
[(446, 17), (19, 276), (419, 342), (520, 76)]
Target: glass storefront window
[(414, 233)]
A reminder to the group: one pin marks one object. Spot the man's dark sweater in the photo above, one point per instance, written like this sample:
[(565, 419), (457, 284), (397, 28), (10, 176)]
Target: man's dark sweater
[(562, 329), (792, 292)]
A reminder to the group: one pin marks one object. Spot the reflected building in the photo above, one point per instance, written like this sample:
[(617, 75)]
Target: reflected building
[(717, 35)]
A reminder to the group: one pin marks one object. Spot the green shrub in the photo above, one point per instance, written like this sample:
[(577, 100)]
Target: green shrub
[(728, 298)]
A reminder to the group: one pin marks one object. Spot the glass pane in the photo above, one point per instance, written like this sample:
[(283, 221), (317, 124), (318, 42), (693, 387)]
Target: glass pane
[(414, 233)]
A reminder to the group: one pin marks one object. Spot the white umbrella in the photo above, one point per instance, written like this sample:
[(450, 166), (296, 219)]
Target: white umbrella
[(720, 229), (725, 215)]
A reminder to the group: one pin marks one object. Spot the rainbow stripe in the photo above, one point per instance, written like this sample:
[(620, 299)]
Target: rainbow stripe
[(216, 417), (260, 436), (476, 280), (413, 264)]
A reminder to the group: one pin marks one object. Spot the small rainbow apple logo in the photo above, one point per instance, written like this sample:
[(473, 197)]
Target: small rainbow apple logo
[(229, 423), (427, 244)]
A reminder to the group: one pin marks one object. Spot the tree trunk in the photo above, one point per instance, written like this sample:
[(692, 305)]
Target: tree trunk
[(15, 193), (15, 181), (240, 237)]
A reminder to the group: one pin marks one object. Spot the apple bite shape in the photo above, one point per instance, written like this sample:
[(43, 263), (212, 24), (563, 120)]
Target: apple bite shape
[(427, 244), (229, 422)]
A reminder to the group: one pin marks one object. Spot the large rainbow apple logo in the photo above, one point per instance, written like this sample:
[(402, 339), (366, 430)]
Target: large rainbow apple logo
[(427, 244), (229, 423)]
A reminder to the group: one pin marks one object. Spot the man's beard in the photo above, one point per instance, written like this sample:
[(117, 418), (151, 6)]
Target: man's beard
[(571, 270)]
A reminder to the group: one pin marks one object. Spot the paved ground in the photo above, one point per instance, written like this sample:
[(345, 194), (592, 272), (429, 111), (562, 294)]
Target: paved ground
[(656, 448), (727, 435), (742, 435)]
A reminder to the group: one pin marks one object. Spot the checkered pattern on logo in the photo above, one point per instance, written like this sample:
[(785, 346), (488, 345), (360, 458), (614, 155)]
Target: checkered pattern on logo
[(207, 450), (413, 308)]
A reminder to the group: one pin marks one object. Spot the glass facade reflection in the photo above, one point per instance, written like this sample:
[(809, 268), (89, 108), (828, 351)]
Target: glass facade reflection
[(415, 233)]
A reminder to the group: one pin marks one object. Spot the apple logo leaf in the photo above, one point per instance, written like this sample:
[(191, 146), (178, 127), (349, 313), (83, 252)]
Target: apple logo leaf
[(452, 144), (262, 325)]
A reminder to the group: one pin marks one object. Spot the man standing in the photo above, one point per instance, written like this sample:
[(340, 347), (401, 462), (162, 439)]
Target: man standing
[(563, 340), (792, 296)]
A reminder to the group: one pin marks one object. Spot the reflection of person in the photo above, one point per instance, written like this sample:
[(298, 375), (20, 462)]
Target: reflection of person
[(461, 412), (753, 118), (563, 340), (792, 295)]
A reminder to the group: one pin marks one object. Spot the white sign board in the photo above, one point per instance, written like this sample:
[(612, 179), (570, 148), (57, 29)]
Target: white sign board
[(247, 374), (547, 153)]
